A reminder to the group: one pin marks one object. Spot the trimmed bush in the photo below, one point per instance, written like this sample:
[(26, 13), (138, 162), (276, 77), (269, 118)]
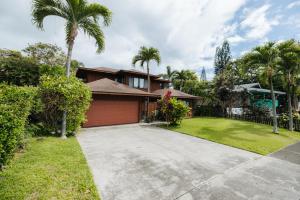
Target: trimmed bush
[(60, 94), (173, 110), (15, 106)]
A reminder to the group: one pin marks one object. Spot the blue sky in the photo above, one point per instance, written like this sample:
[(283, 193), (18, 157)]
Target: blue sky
[(186, 32)]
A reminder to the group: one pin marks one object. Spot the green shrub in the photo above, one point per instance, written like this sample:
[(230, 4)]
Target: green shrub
[(172, 109), (60, 94), (15, 106)]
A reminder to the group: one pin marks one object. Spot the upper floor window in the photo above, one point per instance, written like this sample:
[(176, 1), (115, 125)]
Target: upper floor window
[(138, 82), (164, 85)]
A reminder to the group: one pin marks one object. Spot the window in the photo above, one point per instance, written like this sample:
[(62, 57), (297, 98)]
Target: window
[(130, 82), (137, 82), (142, 83)]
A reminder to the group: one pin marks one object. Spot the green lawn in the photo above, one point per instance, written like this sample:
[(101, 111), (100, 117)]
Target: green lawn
[(50, 168), (245, 135)]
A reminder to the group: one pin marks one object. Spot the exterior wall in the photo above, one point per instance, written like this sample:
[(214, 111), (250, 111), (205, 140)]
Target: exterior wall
[(92, 76)]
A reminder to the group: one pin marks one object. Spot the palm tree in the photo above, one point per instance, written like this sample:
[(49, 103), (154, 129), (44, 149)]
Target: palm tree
[(181, 76), (145, 55), (169, 75), (266, 58), (79, 15), (289, 52)]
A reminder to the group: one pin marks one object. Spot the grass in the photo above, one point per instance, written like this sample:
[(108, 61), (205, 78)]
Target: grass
[(249, 136), (50, 168)]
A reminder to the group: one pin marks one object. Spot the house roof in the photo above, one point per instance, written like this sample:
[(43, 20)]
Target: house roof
[(107, 86), (175, 93), (116, 71), (253, 87)]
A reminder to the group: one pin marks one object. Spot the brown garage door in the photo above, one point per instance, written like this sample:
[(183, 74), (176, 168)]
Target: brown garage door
[(112, 110)]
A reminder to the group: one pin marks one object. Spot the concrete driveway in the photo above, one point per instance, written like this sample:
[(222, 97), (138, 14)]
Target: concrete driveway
[(134, 162)]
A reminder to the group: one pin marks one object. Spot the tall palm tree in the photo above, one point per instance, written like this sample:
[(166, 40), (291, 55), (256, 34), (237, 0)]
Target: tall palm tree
[(289, 52), (145, 55), (79, 15), (266, 58)]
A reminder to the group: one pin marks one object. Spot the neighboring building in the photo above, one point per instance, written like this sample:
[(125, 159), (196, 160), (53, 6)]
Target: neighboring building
[(119, 96), (258, 97)]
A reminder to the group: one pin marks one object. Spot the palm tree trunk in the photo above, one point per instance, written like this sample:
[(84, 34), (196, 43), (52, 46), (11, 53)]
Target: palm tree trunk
[(149, 90), (275, 128), (68, 66), (291, 123)]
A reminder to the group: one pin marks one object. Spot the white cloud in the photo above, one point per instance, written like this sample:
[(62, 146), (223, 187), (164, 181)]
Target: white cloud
[(235, 39), (293, 4), (185, 32), (257, 24)]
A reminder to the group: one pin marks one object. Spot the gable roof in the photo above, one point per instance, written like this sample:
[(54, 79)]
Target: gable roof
[(107, 86), (116, 71), (174, 93)]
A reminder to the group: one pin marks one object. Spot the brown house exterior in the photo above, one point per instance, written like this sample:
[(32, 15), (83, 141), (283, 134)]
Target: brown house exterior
[(119, 96)]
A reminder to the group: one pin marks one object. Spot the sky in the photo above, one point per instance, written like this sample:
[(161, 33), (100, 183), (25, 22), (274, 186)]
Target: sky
[(185, 32)]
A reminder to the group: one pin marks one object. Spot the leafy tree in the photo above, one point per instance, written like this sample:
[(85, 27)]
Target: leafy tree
[(180, 77), (265, 59), (145, 55), (79, 14), (224, 85), (222, 57), (48, 54), (17, 69), (289, 52)]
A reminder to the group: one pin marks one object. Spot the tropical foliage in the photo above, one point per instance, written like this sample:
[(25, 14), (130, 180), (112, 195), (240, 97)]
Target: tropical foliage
[(15, 106), (173, 110), (79, 15), (144, 56), (60, 94)]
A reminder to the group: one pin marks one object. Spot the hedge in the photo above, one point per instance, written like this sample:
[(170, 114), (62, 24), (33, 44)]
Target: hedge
[(15, 106), (59, 94)]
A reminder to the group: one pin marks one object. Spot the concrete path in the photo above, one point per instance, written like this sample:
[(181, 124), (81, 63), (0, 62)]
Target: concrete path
[(134, 162), (290, 153)]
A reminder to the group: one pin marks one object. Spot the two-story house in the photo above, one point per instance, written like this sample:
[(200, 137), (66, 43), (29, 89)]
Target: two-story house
[(119, 96)]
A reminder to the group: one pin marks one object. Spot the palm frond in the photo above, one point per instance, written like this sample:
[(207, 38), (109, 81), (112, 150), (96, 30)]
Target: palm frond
[(44, 8), (95, 10), (92, 29)]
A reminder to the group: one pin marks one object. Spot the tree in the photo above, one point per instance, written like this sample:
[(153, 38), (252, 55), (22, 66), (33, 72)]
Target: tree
[(17, 69), (145, 55), (79, 14), (222, 57), (169, 75), (289, 52), (266, 59), (48, 54), (203, 75), (180, 77)]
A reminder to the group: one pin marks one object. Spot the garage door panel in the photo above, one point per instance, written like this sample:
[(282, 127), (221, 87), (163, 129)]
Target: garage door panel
[(112, 111)]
